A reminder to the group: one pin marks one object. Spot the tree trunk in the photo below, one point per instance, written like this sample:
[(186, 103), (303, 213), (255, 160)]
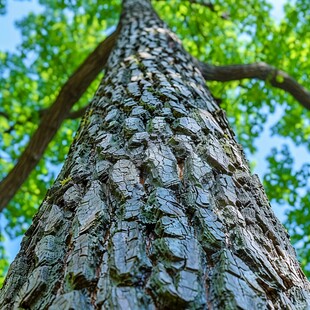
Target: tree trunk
[(155, 207)]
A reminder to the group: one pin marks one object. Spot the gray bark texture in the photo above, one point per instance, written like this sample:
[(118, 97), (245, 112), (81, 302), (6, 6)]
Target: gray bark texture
[(155, 207)]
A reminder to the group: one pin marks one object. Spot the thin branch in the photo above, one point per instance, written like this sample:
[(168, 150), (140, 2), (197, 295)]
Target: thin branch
[(72, 115), (261, 71), (4, 115), (206, 4), (77, 114), (211, 7), (70, 93)]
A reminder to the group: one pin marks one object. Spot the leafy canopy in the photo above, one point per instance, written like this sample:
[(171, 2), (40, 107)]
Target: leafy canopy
[(220, 32)]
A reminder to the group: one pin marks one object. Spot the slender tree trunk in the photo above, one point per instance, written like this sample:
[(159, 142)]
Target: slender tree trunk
[(155, 207)]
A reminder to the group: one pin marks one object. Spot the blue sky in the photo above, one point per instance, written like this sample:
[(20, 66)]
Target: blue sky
[(10, 37)]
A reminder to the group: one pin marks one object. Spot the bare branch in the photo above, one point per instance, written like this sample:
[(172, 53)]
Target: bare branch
[(72, 115), (206, 4), (70, 93), (77, 114), (210, 6), (261, 71), (4, 115)]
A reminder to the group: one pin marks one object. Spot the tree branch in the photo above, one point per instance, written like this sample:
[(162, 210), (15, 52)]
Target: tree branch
[(206, 4), (261, 71), (5, 115), (210, 6), (72, 115), (70, 93)]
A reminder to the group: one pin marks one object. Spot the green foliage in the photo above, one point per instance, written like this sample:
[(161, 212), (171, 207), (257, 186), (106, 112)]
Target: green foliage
[(56, 41), (285, 185), (4, 263), (282, 181)]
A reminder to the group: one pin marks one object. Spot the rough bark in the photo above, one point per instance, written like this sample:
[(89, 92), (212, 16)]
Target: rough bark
[(155, 206)]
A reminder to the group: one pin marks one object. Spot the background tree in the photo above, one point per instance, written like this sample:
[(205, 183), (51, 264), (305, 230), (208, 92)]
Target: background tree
[(245, 33)]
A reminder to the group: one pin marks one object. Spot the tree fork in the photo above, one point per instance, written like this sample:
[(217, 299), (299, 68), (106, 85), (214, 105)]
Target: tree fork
[(155, 206)]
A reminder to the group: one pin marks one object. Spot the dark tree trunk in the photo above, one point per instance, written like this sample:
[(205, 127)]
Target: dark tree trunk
[(155, 206)]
